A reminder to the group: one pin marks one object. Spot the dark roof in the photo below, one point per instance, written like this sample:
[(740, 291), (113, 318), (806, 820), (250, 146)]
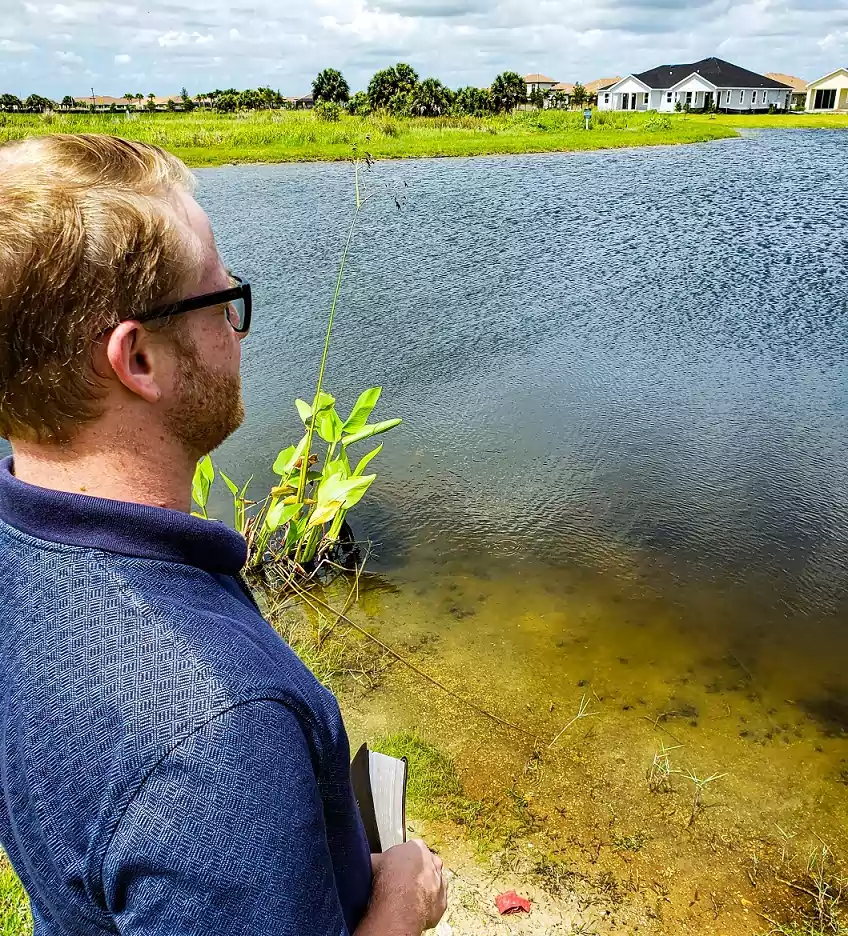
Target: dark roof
[(718, 72)]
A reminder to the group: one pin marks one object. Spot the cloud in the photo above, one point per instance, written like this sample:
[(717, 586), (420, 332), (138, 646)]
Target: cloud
[(175, 38), (69, 58), (833, 41), (177, 42), (10, 45), (122, 59)]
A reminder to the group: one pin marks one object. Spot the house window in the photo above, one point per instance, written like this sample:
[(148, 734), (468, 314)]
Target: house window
[(668, 98), (825, 99), (647, 98), (741, 97), (688, 97), (606, 99)]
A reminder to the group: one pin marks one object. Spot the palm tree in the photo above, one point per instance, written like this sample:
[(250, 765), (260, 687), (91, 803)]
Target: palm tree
[(129, 97), (68, 102), (578, 95), (330, 85)]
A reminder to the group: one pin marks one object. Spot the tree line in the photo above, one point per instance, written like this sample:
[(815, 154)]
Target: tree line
[(397, 90), (400, 91)]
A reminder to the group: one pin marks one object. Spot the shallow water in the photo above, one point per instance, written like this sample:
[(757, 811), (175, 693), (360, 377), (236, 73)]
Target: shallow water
[(624, 463)]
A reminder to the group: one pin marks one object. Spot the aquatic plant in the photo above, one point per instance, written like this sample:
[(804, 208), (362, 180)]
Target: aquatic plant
[(302, 517), (659, 774), (700, 784)]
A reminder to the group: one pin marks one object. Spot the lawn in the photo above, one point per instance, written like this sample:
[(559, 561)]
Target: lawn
[(793, 120), (15, 919), (209, 139)]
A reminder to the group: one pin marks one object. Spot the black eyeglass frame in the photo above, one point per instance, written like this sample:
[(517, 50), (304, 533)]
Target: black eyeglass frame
[(207, 301)]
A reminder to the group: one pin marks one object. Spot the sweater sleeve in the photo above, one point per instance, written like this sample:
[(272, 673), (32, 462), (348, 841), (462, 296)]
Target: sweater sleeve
[(227, 837)]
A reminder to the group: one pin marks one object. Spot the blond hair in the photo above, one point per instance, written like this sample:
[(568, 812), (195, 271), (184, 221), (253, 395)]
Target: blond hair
[(88, 238)]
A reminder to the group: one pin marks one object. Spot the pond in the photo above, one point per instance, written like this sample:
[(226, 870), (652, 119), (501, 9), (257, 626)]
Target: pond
[(623, 468)]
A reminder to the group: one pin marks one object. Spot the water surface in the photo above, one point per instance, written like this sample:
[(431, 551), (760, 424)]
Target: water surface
[(623, 468)]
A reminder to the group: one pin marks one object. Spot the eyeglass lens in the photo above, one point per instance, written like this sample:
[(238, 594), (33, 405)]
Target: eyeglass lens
[(236, 314)]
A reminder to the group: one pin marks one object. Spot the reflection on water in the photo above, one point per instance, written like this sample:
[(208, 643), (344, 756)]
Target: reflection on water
[(614, 360), (624, 462)]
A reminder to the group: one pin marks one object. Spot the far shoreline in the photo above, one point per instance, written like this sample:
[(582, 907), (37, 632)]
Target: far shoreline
[(208, 140)]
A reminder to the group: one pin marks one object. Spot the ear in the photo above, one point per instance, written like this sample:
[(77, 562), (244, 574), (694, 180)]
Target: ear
[(131, 356)]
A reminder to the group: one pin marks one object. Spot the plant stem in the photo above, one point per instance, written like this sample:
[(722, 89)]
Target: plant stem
[(310, 432)]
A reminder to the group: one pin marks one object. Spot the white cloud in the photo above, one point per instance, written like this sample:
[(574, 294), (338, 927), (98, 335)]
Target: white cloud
[(11, 45), (177, 42), (69, 58), (175, 38), (833, 41), (122, 59)]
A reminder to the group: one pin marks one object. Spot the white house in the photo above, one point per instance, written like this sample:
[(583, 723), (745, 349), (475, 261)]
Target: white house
[(829, 93), (711, 83)]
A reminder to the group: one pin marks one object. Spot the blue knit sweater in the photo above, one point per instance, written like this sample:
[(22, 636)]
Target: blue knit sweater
[(167, 764)]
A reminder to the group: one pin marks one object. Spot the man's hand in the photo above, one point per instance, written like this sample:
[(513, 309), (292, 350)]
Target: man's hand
[(410, 892)]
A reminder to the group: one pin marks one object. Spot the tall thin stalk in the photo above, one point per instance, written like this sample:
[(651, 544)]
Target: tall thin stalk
[(310, 431)]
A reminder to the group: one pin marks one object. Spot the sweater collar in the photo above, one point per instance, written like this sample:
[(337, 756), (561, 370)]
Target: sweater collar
[(119, 527)]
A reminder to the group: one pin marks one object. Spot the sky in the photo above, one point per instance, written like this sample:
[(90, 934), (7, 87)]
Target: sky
[(120, 46)]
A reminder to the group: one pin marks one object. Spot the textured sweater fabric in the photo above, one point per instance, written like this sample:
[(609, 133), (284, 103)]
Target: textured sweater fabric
[(167, 764)]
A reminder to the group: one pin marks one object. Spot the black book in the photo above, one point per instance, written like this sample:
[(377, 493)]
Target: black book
[(379, 785)]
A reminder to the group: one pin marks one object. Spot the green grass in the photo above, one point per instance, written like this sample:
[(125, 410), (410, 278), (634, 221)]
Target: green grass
[(209, 139), (792, 120), (15, 918), (435, 792)]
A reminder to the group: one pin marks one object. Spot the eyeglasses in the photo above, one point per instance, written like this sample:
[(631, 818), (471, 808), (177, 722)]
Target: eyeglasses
[(237, 300)]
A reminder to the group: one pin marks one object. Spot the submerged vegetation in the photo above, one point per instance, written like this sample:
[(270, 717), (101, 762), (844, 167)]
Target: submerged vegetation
[(211, 139)]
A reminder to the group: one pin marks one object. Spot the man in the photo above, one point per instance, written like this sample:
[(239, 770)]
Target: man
[(167, 764)]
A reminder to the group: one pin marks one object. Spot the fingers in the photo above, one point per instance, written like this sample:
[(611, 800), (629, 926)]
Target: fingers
[(437, 861)]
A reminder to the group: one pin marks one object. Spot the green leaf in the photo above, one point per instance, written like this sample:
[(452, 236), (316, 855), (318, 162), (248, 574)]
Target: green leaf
[(233, 489), (284, 465), (338, 466), (243, 491), (280, 513), (329, 426), (304, 410), (294, 534), (325, 401), (362, 409), (363, 462), (324, 513), (201, 484), (356, 494), (347, 491), (367, 431)]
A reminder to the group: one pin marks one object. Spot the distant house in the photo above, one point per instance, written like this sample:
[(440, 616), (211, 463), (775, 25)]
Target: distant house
[(539, 83), (563, 91), (100, 103), (798, 85), (599, 84), (829, 93), (710, 83), (307, 102)]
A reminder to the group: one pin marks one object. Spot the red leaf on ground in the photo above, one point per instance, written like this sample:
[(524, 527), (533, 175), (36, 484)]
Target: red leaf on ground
[(510, 902)]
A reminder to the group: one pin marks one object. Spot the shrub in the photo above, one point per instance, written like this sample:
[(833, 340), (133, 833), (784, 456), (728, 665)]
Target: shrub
[(329, 111), (658, 123), (359, 105)]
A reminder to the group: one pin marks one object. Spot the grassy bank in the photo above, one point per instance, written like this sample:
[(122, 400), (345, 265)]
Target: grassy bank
[(15, 919), (210, 139), (793, 120)]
